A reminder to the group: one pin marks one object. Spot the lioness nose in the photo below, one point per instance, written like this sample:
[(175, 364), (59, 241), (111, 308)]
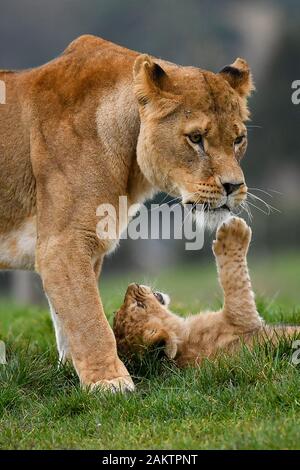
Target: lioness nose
[(231, 187)]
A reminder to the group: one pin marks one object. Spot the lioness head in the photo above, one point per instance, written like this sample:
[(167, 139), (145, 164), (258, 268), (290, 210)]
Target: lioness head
[(192, 135)]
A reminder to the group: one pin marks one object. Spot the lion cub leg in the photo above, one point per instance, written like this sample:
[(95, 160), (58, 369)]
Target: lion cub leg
[(230, 249)]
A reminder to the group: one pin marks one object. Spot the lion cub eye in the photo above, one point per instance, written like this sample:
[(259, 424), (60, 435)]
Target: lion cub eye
[(140, 305), (239, 139), (196, 138), (159, 297)]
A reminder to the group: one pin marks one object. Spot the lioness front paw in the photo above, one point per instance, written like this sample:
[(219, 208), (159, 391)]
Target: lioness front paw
[(119, 384), (111, 376), (232, 236)]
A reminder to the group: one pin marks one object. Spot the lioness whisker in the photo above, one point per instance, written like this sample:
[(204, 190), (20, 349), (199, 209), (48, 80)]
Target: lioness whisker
[(259, 208), (270, 208), (165, 203), (172, 200), (246, 208), (267, 192)]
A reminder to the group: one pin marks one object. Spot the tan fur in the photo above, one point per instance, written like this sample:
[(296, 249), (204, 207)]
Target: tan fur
[(98, 122), (143, 321)]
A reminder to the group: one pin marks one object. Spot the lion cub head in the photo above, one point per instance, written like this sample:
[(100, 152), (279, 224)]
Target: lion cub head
[(192, 135), (142, 321)]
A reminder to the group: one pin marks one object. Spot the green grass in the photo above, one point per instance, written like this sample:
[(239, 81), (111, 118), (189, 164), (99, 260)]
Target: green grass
[(248, 401)]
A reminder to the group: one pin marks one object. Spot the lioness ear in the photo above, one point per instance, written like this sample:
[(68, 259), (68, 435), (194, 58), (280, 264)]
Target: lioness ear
[(148, 79), (238, 75)]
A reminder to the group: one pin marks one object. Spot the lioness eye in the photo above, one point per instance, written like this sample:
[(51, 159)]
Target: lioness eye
[(196, 138), (239, 140), (140, 304)]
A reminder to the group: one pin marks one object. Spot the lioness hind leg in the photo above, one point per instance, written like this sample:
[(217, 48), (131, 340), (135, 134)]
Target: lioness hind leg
[(230, 249)]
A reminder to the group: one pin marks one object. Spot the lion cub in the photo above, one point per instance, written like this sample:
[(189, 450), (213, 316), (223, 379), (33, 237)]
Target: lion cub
[(144, 318)]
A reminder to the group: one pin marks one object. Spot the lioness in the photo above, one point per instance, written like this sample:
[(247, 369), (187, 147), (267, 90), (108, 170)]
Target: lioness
[(99, 122), (144, 318)]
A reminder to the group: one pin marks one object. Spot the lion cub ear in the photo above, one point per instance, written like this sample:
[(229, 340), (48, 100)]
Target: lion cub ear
[(148, 78), (238, 75), (155, 335), (171, 347)]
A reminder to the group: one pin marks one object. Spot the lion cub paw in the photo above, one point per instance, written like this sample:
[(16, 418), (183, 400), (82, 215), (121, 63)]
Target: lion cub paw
[(233, 236), (117, 385)]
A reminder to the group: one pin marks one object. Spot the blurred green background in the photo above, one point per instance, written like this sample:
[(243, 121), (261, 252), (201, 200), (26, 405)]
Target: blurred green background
[(209, 35)]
